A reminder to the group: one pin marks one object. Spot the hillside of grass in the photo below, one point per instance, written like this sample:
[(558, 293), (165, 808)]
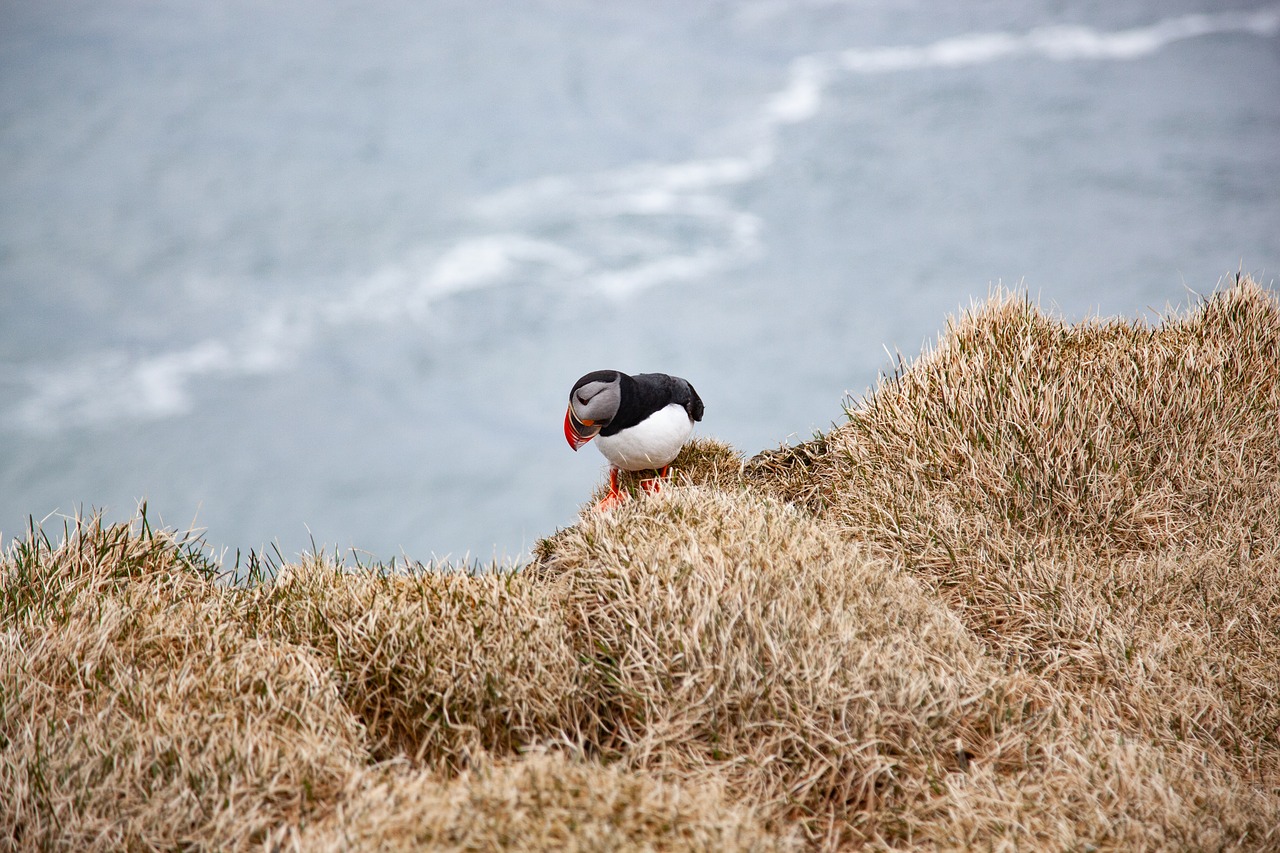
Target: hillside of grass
[(1025, 596)]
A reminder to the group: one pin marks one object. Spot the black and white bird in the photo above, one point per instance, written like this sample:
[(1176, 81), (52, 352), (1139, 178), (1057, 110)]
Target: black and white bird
[(639, 422)]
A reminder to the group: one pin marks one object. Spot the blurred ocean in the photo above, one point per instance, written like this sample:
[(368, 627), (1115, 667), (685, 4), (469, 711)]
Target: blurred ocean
[(325, 271)]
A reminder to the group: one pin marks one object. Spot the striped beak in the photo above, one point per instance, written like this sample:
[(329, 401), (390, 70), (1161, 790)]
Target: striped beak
[(577, 432)]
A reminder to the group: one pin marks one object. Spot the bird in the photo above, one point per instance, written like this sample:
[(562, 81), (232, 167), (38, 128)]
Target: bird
[(639, 422)]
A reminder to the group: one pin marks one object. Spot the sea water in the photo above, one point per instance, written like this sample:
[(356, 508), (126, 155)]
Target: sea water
[(323, 273)]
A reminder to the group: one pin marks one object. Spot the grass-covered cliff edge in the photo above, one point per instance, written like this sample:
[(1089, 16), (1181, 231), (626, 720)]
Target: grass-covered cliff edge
[(1026, 596)]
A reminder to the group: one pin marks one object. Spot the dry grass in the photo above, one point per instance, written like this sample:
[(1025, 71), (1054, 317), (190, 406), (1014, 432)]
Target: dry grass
[(1100, 502), (741, 640), (1110, 436), (1028, 596), (539, 800), (138, 712), (734, 638), (436, 666)]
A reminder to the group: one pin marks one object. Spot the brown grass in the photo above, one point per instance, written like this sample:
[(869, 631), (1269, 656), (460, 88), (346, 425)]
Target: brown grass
[(541, 800), (733, 637), (1099, 502), (1027, 596), (436, 666), (137, 710)]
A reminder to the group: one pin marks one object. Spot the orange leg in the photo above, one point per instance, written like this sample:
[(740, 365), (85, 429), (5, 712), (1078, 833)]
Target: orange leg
[(615, 497), (653, 485)]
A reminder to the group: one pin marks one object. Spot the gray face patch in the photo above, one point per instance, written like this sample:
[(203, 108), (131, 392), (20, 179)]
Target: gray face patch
[(596, 401)]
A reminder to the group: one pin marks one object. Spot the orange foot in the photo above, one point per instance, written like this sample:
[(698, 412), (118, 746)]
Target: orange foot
[(611, 501), (615, 498), (654, 484)]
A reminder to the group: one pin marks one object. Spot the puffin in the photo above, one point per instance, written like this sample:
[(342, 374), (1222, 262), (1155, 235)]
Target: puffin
[(639, 422)]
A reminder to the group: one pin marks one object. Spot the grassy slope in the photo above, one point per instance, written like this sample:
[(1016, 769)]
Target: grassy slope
[(1027, 595)]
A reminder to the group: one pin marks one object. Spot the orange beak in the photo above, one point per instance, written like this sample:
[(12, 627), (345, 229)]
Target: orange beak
[(577, 432)]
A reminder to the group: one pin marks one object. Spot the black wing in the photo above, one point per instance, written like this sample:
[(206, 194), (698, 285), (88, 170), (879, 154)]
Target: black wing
[(646, 393)]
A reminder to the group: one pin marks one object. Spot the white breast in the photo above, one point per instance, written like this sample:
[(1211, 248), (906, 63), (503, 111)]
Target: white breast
[(652, 443)]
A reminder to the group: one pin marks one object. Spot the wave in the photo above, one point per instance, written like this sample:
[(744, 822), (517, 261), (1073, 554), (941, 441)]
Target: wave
[(810, 75), (612, 233)]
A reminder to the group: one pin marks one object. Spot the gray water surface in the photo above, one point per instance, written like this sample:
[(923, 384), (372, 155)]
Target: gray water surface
[(326, 271)]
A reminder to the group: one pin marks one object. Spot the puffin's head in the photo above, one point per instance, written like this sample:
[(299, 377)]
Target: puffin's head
[(593, 402)]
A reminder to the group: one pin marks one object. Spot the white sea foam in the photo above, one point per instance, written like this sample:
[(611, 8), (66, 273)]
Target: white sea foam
[(413, 286), (1060, 43), (810, 76), (638, 188), (613, 233), (802, 97), (112, 386), (616, 225), (484, 260)]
